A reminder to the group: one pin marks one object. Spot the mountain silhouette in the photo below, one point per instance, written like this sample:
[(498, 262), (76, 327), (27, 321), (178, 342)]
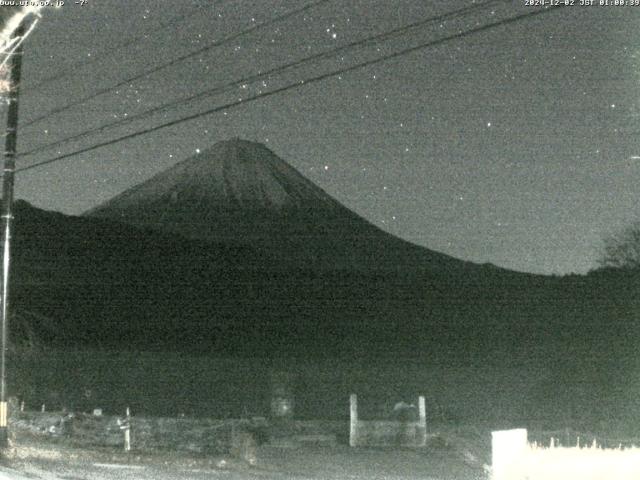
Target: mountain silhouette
[(94, 282), (241, 193)]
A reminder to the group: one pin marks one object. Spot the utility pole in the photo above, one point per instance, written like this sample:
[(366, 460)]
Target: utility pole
[(15, 65)]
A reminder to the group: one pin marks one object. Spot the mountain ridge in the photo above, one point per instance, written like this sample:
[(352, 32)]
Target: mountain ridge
[(240, 192)]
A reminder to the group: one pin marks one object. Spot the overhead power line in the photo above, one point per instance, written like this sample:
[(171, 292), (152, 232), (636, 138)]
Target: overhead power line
[(268, 73), (115, 49), (294, 85), (175, 61)]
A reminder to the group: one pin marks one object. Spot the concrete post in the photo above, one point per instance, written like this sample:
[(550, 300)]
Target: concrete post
[(353, 430), (422, 422)]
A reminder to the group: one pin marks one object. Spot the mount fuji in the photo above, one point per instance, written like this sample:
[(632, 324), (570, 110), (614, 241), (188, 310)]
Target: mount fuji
[(241, 193)]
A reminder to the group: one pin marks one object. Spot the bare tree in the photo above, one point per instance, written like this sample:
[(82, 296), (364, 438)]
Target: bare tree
[(622, 250)]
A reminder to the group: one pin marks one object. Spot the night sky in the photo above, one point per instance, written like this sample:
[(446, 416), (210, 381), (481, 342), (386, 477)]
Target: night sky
[(517, 145)]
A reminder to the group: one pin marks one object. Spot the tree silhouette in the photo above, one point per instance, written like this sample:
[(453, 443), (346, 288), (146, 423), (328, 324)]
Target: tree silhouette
[(622, 250)]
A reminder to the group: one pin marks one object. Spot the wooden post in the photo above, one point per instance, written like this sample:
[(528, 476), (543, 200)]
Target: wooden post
[(508, 452), (353, 430), (422, 425)]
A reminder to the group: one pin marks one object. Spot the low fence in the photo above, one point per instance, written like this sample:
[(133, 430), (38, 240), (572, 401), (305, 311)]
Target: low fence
[(194, 435), (406, 427), (514, 458), (139, 433)]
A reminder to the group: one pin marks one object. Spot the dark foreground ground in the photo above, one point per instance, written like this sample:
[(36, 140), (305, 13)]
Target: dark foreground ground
[(442, 460)]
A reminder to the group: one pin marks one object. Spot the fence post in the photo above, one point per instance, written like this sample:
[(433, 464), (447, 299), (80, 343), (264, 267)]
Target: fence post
[(125, 426), (422, 426), (353, 430), (508, 452), (127, 432)]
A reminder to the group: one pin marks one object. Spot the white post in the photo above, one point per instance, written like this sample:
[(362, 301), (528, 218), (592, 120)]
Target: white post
[(508, 454), (353, 430), (127, 432), (127, 440), (422, 426)]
